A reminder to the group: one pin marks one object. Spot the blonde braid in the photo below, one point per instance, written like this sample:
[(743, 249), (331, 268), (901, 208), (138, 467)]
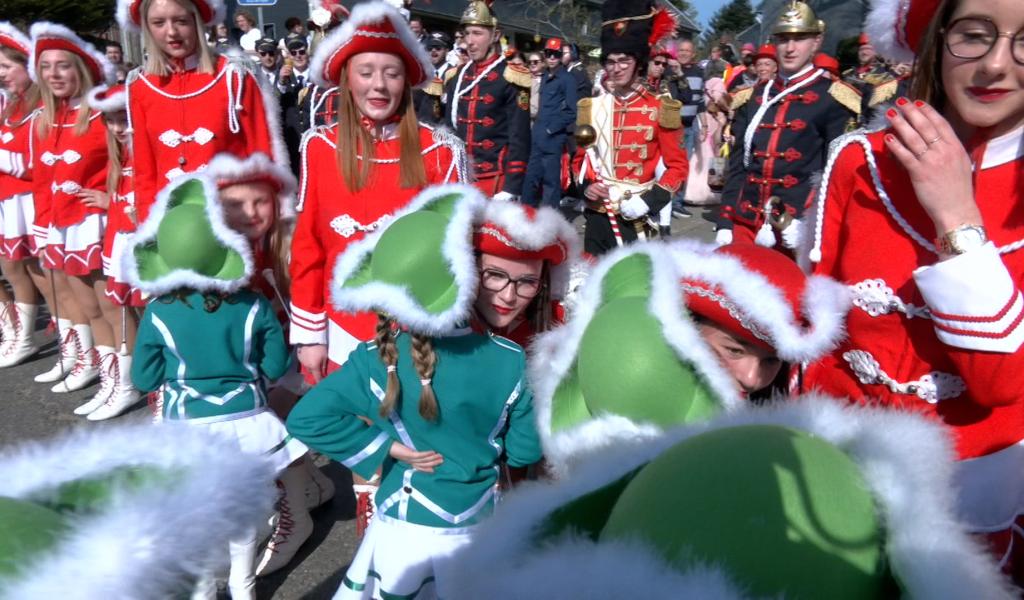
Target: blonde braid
[(424, 358), (388, 352)]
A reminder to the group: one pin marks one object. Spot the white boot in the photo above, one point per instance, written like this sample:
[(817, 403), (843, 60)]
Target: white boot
[(123, 395), (319, 487), (23, 344), (8, 325), (108, 377), (86, 369), (242, 577), (294, 525), (68, 343)]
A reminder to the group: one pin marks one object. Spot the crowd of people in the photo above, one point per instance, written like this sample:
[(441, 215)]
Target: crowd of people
[(359, 241)]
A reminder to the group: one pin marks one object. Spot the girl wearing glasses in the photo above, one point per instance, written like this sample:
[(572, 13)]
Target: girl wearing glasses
[(923, 221), (187, 103), (357, 173)]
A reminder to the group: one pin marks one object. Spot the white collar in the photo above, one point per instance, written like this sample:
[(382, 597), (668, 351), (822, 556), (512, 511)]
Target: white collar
[(1003, 149), (798, 74)]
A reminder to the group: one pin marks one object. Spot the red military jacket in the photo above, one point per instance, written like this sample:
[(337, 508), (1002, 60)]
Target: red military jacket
[(638, 141), (180, 121), (15, 140), (331, 217), (121, 213), (63, 164), (939, 338)]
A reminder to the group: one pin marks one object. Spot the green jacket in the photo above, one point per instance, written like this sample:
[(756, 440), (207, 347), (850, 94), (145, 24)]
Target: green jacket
[(213, 363), (485, 410)]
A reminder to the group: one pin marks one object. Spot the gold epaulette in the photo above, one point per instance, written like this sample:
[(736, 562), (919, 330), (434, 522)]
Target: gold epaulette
[(741, 96), (883, 92), (449, 74), (668, 113), (434, 88), (519, 76), (877, 78), (583, 111), (847, 95)]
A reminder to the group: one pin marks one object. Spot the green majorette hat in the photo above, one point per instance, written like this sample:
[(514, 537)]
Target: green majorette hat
[(419, 268), (185, 243), (631, 362), (812, 498), (124, 512)]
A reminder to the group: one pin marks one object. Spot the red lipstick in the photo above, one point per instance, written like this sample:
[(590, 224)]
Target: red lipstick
[(987, 94)]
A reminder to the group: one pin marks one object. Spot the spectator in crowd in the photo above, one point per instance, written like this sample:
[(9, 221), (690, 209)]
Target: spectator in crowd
[(535, 63), (292, 83), (747, 50), (744, 75), (556, 115), (766, 63), (716, 65), (691, 83), (416, 25), (427, 100), (250, 34), (121, 72), (438, 45), (293, 26), (114, 52), (220, 37), (571, 60), (266, 49)]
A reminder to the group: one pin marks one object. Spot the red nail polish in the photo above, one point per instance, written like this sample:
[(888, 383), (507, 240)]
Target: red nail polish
[(890, 137), (891, 113), (918, 103), (902, 101)]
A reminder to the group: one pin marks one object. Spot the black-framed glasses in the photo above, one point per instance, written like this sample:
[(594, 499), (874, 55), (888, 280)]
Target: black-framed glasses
[(552, 54), (298, 52), (493, 280), (264, 53), (660, 63), (620, 63), (972, 38)]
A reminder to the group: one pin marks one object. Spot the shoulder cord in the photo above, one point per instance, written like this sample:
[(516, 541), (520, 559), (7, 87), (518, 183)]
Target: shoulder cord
[(459, 91), (767, 103)]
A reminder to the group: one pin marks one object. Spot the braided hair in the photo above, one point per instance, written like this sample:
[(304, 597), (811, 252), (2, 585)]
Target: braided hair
[(424, 359)]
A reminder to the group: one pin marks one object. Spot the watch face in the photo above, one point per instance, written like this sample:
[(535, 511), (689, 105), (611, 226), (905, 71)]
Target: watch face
[(966, 239)]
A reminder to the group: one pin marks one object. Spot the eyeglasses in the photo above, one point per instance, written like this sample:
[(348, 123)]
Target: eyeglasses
[(621, 63), (972, 38), (263, 53), (660, 63), (496, 281), (299, 52), (535, 62), (552, 54)]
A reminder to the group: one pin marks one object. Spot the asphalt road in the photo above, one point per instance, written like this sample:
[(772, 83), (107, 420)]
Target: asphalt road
[(31, 411)]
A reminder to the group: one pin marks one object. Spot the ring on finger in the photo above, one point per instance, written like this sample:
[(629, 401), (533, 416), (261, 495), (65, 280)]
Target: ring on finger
[(937, 138)]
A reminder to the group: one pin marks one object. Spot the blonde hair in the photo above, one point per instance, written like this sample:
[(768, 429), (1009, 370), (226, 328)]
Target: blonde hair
[(28, 100), (156, 62), (114, 166), (50, 102), (424, 360), (926, 82), (354, 141)]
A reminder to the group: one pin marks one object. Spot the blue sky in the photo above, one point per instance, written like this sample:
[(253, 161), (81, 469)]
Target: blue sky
[(707, 8)]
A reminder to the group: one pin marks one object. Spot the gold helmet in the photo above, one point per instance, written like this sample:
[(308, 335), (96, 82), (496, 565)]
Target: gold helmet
[(479, 12), (798, 18)]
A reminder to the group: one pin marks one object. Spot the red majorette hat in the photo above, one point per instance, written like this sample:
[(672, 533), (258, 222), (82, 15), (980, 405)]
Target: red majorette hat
[(227, 170), (13, 38), (895, 27), (129, 13), (762, 296), (108, 99), (52, 36), (767, 51), (512, 230), (372, 27)]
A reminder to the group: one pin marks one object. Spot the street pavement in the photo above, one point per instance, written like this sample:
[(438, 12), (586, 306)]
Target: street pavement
[(31, 411)]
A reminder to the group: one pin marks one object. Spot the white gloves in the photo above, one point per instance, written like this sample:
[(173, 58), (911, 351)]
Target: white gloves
[(633, 208), (503, 197), (791, 234), (723, 237)]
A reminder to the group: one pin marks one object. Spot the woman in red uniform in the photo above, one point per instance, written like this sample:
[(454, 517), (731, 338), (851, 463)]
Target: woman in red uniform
[(69, 156), (17, 314), (187, 103), (924, 221), (357, 173)]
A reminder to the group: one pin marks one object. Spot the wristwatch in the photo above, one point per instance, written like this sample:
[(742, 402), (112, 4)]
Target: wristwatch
[(963, 239)]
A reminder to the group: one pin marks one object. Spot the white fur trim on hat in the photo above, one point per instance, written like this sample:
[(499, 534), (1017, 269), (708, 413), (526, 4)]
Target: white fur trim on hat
[(885, 25), (46, 29), (187, 278), (228, 167), (824, 303), (907, 462), (396, 301), (218, 12), (554, 352), (362, 14), (9, 30), (109, 104), (548, 227), (147, 542)]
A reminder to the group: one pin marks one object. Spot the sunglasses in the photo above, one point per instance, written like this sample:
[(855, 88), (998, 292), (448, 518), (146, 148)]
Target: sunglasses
[(265, 53), (660, 63), (299, 52)]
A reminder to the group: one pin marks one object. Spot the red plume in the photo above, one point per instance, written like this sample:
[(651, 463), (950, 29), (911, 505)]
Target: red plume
[(663, 26)]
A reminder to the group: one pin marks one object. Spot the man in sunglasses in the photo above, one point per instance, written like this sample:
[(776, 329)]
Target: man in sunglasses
[(293, 84), (556, 115), (782, 130), (427, 100), (266, 52), (630, 158)]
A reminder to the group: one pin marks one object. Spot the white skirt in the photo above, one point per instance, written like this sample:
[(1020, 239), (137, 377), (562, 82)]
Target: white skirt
[(76, 249), (402, 559), (262, 434), (16, 216)]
